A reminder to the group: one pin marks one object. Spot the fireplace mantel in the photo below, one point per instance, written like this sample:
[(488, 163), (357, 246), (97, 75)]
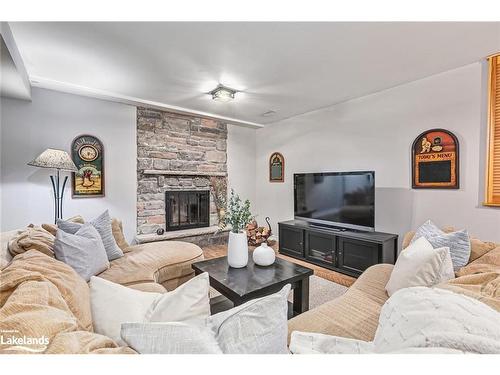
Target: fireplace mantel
[(183, 173)]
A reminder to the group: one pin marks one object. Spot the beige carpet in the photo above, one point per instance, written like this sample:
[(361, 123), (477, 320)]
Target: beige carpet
[(320, 291)]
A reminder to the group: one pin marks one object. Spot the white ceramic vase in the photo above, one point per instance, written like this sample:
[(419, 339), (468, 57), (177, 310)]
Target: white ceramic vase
[(237, 250), (264, 255)]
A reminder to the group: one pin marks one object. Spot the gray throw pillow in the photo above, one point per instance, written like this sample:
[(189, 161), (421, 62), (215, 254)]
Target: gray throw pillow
[(458, 242), (83, 251), (169, 338), (103, 225), (257, 327)]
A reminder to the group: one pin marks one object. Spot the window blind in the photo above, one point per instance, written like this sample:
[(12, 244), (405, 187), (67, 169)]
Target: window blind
[(493, 145)]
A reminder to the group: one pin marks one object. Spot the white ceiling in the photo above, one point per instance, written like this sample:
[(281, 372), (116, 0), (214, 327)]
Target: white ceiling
[(290, 68)]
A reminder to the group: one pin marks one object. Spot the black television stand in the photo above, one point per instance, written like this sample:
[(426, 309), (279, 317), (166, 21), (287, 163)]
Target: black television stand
[(339, 249)]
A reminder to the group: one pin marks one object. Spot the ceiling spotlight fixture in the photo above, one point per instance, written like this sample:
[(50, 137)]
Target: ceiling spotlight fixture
[(222, 93)]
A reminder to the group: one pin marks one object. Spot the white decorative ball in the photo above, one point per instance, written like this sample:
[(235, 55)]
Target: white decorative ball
[(264, 255)]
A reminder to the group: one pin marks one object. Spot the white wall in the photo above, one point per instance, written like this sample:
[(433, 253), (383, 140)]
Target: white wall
[(241, 162), (54, 119), (375, 133)]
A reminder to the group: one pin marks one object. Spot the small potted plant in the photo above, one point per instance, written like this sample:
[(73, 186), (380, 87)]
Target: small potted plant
[(237, 216)]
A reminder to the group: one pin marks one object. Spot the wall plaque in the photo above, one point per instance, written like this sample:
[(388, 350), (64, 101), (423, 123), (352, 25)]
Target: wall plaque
[(87, 153), (276, 167), (435, 161)]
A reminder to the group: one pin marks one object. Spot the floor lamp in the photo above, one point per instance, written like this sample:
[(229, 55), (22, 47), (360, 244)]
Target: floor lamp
[(60, 161)]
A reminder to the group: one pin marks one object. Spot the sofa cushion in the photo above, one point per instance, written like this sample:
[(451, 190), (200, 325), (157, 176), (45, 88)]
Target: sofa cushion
[(489, 262), (154, 262), (83, 251), (480, 248), (52, 228), (258, 326), (149, 287), (102, 224), (170, 338), (355, 313), (113, 304), (458, 242), (117, 229), (477, 247), (420, 265), (37, 267)]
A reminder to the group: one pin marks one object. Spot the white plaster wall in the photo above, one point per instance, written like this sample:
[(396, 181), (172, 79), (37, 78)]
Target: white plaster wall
[(241, 162), (54, 119), (375, 132)]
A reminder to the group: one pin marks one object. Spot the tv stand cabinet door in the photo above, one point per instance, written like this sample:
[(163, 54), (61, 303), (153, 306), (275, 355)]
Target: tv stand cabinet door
[(291, 241), (355, 255), (320, 248)]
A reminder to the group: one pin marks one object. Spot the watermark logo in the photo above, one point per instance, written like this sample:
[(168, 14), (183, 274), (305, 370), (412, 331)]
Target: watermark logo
[(17, 342)]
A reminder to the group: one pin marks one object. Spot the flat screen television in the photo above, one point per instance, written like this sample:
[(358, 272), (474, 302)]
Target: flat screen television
[(336, 199)]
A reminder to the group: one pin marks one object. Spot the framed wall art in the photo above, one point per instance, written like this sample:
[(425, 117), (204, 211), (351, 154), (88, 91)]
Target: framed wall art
[(435, 160), (276, 167), (87, 153)]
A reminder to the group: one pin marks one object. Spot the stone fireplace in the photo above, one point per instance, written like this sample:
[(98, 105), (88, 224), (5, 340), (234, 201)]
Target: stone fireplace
[(177, 156)]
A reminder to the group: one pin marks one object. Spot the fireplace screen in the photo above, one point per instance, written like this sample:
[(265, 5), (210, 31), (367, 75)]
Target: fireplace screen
[(187, 209)]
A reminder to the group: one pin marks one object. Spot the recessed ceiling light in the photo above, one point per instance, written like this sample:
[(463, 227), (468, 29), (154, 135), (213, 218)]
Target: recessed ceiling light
[(222, 93)]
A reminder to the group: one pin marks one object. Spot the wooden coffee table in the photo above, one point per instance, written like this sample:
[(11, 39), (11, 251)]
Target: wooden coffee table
[(240, 285)]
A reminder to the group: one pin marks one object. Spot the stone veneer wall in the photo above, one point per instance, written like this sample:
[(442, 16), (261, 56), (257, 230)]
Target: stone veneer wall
[(172, 143)]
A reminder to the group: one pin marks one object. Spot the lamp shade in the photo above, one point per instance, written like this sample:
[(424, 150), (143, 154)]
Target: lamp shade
[(52, 158)]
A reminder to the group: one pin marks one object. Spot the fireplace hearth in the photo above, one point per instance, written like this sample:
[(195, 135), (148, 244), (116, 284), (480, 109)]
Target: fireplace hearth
[(186, 209)]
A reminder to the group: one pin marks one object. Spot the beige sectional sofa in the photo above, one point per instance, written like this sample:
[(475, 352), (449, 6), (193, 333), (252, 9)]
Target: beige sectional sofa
[(355, 314), (41, 296)]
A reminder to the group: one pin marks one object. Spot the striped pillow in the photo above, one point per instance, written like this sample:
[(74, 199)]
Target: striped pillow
[(458, 242)]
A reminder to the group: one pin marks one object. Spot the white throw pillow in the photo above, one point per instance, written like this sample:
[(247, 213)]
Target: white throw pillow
[(113, 304), (420, 265), (257, 327)]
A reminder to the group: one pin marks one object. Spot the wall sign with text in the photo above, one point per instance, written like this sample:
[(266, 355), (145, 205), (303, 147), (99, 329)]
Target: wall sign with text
[(87, 153), (435, 160)]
